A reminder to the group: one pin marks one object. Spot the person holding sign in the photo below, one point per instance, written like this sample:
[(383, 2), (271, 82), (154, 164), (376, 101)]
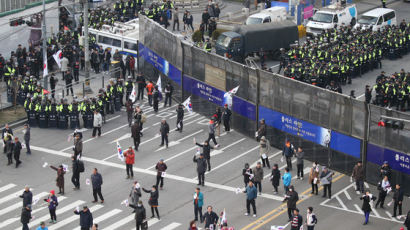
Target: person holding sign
[(206, 150), (383, 187), (97, 181), (264, 147), (200, 168), (198, 203), (60, 178), (161, 167), (314, 177)]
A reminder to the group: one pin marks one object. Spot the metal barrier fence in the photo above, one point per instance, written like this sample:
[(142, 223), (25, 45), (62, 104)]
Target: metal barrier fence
[(332, 128)]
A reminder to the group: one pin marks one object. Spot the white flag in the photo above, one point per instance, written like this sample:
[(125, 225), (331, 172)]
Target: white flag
[(45, 69), (159, 84), (57, 58), (133, 94), (119, 152), (187, 104), (223, 220), (232, 91)]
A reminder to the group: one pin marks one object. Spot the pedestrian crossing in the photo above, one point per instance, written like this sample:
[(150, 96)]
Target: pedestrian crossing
[(11, 206)]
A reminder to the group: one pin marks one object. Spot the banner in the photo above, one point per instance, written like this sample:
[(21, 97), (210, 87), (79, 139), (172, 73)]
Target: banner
[(296, 127), (160, 63), (205, 91), (57, 57), (397, 160), (346, 144)]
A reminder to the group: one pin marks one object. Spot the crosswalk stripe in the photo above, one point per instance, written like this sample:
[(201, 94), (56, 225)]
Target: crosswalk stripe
[(14, 219), (171, 226), (20, 204), (72, 218), (104, 216), (120, 223), (11, 196), (7, 187), (69, 207), (375, 212), (150, 223)]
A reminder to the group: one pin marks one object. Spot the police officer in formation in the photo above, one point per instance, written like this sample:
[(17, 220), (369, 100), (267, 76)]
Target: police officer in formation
[(338, 55)]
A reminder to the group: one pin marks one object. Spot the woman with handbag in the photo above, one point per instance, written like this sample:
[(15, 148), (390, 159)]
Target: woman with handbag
[(140, 216), (153, 200)]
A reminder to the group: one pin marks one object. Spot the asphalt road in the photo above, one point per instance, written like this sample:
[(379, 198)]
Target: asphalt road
[(176, 207)]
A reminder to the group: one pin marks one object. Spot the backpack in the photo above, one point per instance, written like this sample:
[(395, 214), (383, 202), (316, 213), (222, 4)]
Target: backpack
[(143, 118), (81, 166)]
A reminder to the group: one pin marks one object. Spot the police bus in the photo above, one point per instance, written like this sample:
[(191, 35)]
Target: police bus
[(121, 36)]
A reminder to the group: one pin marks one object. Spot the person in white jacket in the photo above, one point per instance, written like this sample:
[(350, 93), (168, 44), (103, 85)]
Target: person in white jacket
[(311, 219), (97, 123)]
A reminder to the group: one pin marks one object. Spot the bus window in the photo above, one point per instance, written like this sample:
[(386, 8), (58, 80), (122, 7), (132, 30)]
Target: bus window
[(105, 40), (130, 46), (116, 42)]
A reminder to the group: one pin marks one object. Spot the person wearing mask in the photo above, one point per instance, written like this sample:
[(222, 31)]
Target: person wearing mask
[(210, 218), (60, 178), (226, 116), (398, 200), (136, 134), (296, 220), (358, 176), (206, 150), (287, 152), (314, 178), (129, 162), (300, 155), (52, 206), (200, 168), (26, 132), (258, 177), (192, 225), (366, 205), (26, 216), (140, 214), (16, 151), (291, 199), (161, 167), (383, 187), (135, 193), (264, 148), (247, 174), (153, 200), (86, 218), (180, 117), (287, 178), (251, 195), (164, 131), (211, 132), (275, 178), (311, 219), (97, 181), (326, 180), (198, 203)]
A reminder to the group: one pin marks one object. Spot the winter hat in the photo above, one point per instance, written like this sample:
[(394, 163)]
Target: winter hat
[(53, 192)]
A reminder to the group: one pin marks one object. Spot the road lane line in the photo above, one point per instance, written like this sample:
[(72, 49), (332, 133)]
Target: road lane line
[(175, 156), (7, 187), (347, 195), (112, 118), (338, 193), (171, 226), (19, 204), (341, 202), (272, 156), (120, 223)]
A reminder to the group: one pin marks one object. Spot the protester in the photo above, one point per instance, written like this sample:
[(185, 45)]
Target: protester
[(78, 167), (161, 167), (153, 200), (86, 218), (264, 148), (261, 130), (385, 170), (97, 181), (367, 197), (300, 155), (407, 221), (27, 196), (326, 180), (97, 123), (311, 219), (358, 176), (251, 195), (206, 150), (180, 117), (60, 178), (211, 132), (296, 220), (275, 178), (164, 131), (198, 203), (9, 148), (129, 161), (16, 151), (210, 218), (52, 206), (287, 178), (383, 187), (136, 134), (226, 116), (135, 193), (258, 177), (26, 132), (287, 152), (42, 226), (398, 200), (247, 172), (78, 146), (26, 216), (292, 198), (192, 224), (314, 178), (140, 214)]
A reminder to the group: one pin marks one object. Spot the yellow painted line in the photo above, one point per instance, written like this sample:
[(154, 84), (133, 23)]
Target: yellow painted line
[(260, 221)]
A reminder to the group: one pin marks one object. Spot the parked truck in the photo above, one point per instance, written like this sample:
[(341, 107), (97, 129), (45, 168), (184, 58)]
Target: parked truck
[(248, 39)]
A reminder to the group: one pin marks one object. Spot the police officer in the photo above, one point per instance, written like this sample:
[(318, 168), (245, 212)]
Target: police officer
[(208, 46), (283, 59), (52, 114), (119, 95), (43, 114), (141, 86), (73, 110)]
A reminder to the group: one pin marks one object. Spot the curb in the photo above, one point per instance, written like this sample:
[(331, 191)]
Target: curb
[(15, 123), (28, 6)]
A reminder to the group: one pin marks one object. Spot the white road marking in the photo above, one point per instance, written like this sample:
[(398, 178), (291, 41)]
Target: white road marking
[(347, 195), (219, 151), (360, 96), (305, 171), (172, 143), (375, 212), (366, 184), (338, 193), (69, 207), (175, 156), (7, 187), (19, 204), (269, 157), (153, 173), (171, 226), (103, 217), (11, 196), (281, 168), (112, 118), (274, 66), (341, 202), (72, 218), (120, 223), (150, 222), (357, 208)]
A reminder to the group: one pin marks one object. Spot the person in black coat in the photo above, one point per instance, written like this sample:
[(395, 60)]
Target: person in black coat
[(26, 216), (86, 218), (385, 170), (227, 118), (7, 130), (9, 148), (16, 151), (200, 168), (210, 218), (155, 97), (180, 117), (76, 173), (398, 200), (206, 150), (97, 182), (164, 130), (407, 221), (153, 200), (291, 197), (275, 177), (27, 196), (246, 173), (140, 213), (297, 220), (366, 205)]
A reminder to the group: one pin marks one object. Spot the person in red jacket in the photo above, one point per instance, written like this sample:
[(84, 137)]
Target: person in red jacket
[(150, 90), (129, 161)]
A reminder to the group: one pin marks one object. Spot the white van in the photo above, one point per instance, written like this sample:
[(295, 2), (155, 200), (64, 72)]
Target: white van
[(330, 17), (377, 18), (273, 14)]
